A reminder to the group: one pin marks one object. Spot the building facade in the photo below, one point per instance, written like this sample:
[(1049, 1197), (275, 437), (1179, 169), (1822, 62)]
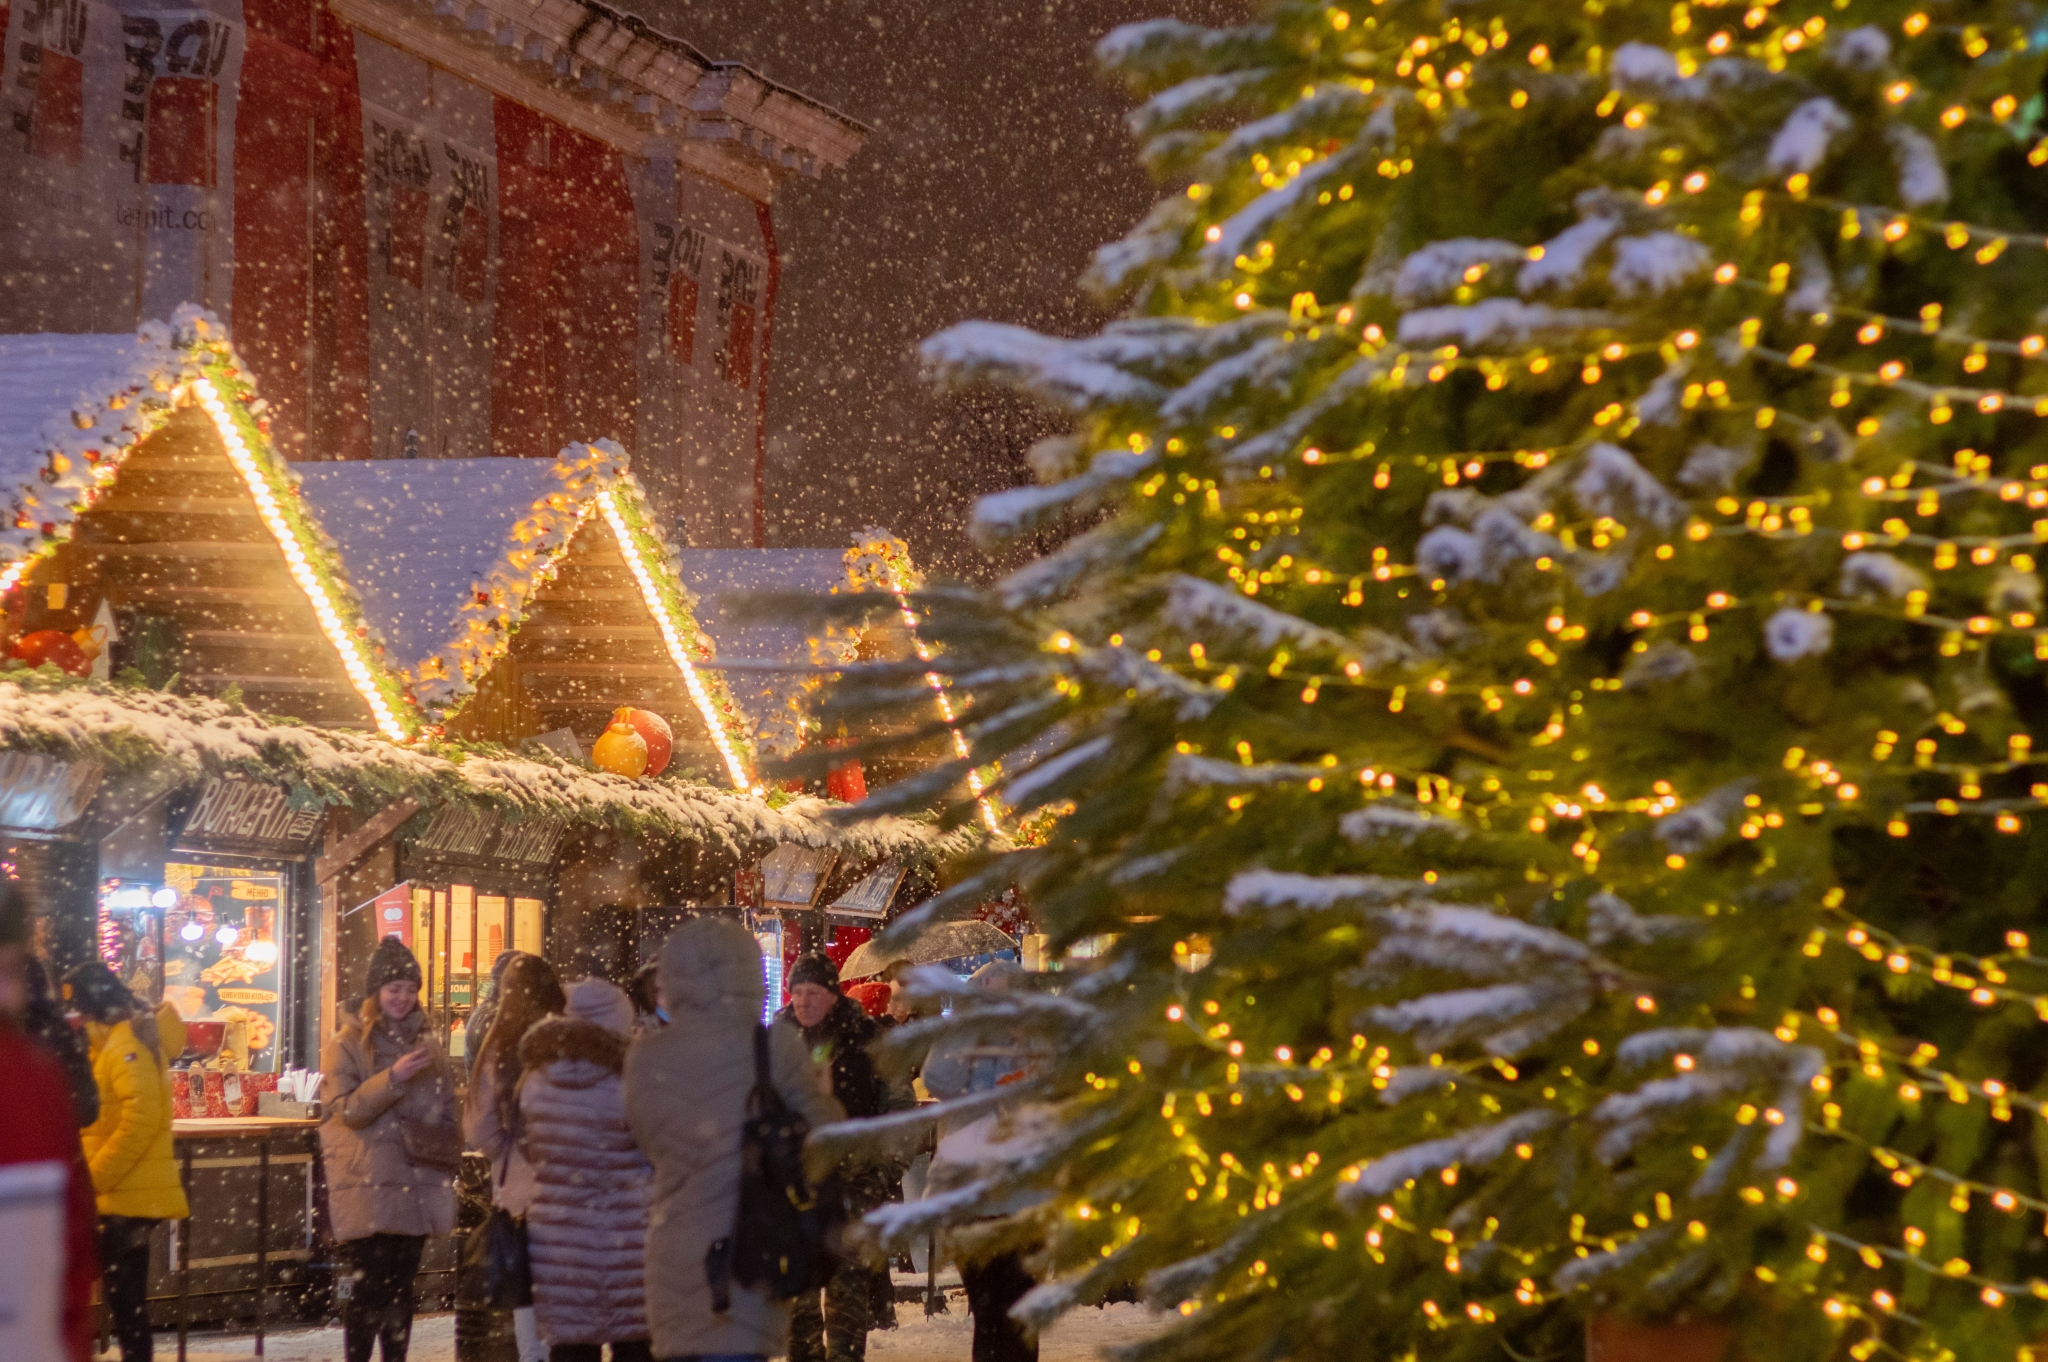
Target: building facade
[(436, 228)]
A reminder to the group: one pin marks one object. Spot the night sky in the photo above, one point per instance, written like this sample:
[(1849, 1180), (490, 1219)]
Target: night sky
[(998, 163)]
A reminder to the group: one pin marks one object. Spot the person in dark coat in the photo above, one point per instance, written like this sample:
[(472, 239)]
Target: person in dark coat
[(43, 1021), (838, 1034)]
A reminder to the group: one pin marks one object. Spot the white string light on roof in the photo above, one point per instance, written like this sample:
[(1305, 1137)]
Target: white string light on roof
[(361, 674), (672, 637)]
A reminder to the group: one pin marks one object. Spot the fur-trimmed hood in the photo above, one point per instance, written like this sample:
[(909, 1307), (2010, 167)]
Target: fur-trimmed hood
[(558, 1038)]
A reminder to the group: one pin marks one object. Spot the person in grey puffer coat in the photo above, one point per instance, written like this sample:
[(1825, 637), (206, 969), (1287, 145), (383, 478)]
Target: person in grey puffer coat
[(686, 1094), (586, 1228)]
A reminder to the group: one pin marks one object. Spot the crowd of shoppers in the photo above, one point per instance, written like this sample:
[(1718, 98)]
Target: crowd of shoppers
[(611, 1119)]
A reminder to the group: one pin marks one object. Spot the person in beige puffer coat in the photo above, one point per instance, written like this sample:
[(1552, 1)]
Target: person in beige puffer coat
[(384, 1072), (686, 1093)]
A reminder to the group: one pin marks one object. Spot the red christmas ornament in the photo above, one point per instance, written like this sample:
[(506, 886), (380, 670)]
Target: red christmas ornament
[(56, 647), (654, 730)]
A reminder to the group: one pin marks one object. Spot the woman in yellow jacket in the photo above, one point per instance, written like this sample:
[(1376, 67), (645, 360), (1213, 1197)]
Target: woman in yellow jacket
[(128, 1149)]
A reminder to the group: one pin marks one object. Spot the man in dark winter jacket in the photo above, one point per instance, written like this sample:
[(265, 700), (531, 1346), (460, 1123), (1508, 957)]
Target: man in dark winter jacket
[(838, 1034)]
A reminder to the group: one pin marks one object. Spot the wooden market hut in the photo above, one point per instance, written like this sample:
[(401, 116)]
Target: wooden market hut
[(140, 500), (519, 598)]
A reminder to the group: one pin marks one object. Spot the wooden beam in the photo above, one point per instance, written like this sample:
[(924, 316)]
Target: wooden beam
[(134, 503), (241, 550), (262, 681), (363, 840)]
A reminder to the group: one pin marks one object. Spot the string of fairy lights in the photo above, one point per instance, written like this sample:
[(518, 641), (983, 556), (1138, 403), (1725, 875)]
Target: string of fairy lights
[(1258, 556), (1979, 980)]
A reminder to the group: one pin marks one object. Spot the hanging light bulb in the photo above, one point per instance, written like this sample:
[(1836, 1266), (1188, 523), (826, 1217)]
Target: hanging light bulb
[(164, 898), (191, 931), (262, 953), (226, 936)]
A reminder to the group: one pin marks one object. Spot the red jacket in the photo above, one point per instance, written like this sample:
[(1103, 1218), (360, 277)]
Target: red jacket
[(42, 1125)]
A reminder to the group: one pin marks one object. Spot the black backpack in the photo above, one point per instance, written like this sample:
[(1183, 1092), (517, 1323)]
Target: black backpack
[(782, 1240)]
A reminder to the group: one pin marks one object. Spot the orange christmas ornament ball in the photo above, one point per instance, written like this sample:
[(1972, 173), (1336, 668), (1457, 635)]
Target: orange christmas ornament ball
[(661, 742), (620, 749)]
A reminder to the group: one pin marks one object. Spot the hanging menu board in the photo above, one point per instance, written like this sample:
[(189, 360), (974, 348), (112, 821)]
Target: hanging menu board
[(249, 818), (794, 876), (873, 895)]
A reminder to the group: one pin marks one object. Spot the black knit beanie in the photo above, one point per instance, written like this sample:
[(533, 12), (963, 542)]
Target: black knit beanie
[(389, 963), (815, 968)]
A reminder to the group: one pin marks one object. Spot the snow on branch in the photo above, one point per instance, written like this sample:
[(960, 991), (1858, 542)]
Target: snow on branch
[(1726, 1061), (1656, 263), (1495, 320), (1381, 820), (1248, 224), (1125, 669), (1441, 1020), (1476, 942), (1562, 262), (1060, 371), (1440, 267), (1584, 1271), (1195, 605), (1803, 140), (1923, 182), (1001, 516), (1611, 482), (1703, 822), (1030, 788), (1187, 771), (1251, 890), (1867, 574), (1469, 1149)]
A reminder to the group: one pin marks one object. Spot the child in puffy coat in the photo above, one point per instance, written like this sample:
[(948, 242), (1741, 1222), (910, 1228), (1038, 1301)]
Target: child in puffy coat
[(586, 1227)]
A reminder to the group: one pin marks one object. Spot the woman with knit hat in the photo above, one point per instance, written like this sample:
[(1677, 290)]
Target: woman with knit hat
[(390, 1144), (586, 1227)]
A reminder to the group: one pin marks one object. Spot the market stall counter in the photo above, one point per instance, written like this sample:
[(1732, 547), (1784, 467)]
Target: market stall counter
[(250, 1253)]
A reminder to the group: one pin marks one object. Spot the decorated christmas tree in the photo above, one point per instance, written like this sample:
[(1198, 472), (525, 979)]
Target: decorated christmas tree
[(1540, 690)]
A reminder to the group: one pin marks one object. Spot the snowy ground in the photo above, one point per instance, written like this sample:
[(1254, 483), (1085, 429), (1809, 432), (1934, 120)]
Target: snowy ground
[(1081, 1337)]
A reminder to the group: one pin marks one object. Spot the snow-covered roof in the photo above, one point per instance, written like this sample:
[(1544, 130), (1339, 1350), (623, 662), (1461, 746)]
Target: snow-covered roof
[(421, 537), (184, 741), (765, 664), (69, 405)]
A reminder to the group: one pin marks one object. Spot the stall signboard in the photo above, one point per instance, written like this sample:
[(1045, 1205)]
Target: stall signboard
[(249, 818), (872, 896), (794, 876), (475, 837), (41, 797)]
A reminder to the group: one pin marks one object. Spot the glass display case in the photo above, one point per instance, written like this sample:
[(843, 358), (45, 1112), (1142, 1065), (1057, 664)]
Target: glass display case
[(209, 940)]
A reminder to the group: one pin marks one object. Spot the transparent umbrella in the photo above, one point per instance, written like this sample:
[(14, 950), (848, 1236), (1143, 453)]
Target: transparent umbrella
[(940, 941)]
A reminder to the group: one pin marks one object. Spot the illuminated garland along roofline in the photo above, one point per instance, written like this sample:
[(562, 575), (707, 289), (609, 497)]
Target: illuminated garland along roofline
[(667, 600), (880, 560), (190, 362)]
